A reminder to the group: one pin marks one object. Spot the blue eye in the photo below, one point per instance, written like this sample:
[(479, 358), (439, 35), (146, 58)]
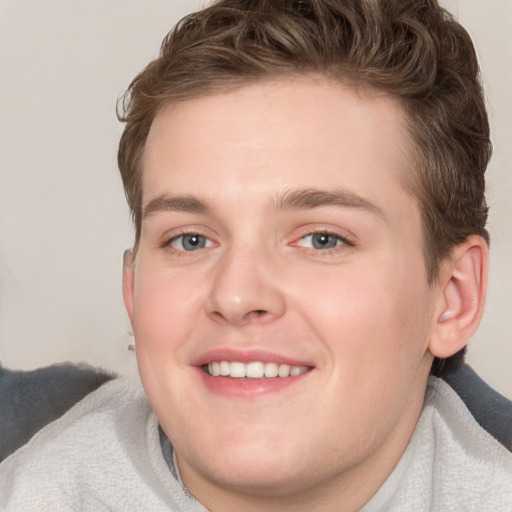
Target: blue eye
[(190, 242), (320, 241)]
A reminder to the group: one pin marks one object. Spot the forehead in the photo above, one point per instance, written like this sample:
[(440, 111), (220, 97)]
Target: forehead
[(278, 133)]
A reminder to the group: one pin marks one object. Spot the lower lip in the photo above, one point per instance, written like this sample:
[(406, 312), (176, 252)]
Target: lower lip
[(248, 388)]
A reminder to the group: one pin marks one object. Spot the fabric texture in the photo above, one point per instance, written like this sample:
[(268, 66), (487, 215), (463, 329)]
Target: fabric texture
[(107, 453), (490, 409), (29, 400), (104, 454), (450, 465)]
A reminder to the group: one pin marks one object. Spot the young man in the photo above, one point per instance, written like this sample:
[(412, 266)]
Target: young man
[(307, 185)]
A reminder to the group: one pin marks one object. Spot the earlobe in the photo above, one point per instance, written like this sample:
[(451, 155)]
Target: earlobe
[(464, 286), (128, 283)]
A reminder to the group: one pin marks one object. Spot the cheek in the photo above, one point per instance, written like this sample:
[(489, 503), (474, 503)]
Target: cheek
[(367, 317), (166, 307)]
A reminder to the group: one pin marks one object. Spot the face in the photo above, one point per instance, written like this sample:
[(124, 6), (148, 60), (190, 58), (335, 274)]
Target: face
[(279, 298)]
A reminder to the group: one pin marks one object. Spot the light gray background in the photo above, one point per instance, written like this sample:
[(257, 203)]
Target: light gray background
[(63, 219)]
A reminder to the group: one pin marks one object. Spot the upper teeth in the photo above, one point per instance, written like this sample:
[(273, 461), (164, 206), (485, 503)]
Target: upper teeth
[(254, 370)]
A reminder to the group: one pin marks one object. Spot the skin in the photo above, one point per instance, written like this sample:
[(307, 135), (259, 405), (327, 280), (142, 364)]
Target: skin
[(360, 315)]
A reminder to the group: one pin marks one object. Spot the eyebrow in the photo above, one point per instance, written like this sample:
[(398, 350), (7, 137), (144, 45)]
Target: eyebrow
[(297, 199), (187, 204), (308, 198)]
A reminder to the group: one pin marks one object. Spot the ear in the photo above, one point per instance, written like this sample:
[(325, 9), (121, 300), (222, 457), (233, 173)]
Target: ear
[(128, 283), (463, 281)]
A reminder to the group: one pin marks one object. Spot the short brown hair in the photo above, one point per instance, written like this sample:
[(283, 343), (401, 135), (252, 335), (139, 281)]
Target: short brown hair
[(412, 49)]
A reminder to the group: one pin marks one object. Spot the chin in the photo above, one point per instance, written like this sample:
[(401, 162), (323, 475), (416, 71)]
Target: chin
[(254, 474)]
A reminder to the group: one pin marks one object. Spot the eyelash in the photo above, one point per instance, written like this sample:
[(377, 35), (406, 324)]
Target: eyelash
[(167, 244), (345, 242)]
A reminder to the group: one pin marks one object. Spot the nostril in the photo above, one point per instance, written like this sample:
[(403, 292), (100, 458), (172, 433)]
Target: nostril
[(257, 313)]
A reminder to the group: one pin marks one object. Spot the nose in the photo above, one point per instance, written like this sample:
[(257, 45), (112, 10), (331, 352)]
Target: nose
[(245, 289)]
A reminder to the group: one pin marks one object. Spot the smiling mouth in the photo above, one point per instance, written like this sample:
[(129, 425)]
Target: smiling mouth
[(253, 370)]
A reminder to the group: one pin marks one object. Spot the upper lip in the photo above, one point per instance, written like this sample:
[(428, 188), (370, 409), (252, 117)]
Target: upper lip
[(247, 356)]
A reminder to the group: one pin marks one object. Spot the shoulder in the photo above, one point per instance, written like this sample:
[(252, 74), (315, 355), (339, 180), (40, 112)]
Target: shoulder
[(470, 465), (491, 410), (81, 449), (450, 464), (449, 412), (101, 411)]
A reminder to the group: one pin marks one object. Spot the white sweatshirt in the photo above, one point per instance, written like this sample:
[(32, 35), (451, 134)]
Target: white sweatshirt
[(105, 454)]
